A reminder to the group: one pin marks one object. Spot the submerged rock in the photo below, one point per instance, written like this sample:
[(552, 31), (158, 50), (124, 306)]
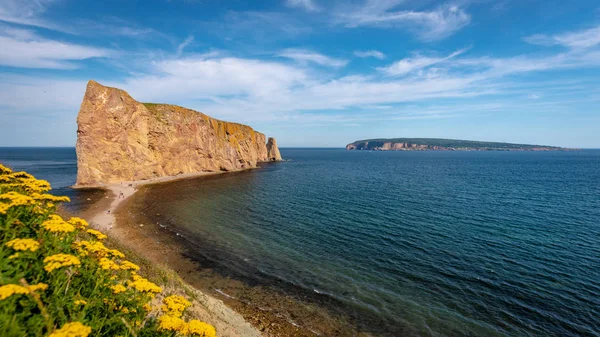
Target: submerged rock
[(121, 139)]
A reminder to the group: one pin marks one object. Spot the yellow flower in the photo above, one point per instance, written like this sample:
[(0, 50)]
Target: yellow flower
[(99, 235), (60, 260), (74, 329), (36, 287), (23, 244), (125, 310), (79, 223), (118, 288), (4, 170), (147, 307), (126, 265), (14, 199), (12, 289), (97, 247), (14, 256), (174, 305), (170, 323), (57, 225), (116, 253), (49, 197), (108, 264), (80, 302), (196, 327), (142, 285)]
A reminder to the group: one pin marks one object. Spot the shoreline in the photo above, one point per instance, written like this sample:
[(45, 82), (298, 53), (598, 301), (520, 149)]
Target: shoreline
[(105, 220), (103, 216), (270, 311)]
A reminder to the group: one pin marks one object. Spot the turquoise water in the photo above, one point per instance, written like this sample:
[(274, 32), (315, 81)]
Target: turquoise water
[(415, 243)]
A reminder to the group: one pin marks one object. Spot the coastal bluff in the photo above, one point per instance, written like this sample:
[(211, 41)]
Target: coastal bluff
[(120, 139), (440, 144)]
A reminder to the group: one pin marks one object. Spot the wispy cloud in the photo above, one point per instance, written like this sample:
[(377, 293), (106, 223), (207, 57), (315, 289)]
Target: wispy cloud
[(407, 65), (184, 44), (428, 25), (306, 56), (23, 48), (27, 13), (369, 53), (308, 5), (582, 39)]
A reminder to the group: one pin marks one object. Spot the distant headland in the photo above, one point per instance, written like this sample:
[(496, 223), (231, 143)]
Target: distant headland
[(120, 139), (439, 144)]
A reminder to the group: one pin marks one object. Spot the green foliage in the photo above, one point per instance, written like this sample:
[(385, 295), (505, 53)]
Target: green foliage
[(57, 278)]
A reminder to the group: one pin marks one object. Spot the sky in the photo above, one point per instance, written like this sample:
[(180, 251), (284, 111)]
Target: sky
[(312, 73)]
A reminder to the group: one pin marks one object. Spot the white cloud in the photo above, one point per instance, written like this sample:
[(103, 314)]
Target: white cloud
[(23, 48), (305, 56), (534, 96), (583, 39), (411, 64), (428, 25), (184, 44), (307, 5), (27, 13), (370, 53)]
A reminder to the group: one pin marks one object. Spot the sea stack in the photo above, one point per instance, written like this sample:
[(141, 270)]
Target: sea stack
[(121, 139), (272, 150)]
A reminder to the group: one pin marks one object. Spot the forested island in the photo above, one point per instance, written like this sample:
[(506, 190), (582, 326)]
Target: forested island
[(439, 144)]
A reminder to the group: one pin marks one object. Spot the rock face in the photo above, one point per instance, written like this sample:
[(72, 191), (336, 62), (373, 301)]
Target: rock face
[(120, 139), (272, 150), (439, 144)]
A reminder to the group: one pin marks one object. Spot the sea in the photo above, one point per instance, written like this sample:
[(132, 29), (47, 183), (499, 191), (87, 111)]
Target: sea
[(478, 243)]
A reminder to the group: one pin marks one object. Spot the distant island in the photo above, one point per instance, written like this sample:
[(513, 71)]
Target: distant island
[(438, 144)]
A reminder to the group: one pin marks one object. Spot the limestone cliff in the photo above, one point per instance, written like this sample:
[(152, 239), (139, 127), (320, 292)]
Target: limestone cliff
[(439, 144), (120, 139), (272, 150)]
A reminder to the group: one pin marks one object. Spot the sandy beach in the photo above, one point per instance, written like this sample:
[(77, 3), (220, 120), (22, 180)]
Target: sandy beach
[(104, 219)]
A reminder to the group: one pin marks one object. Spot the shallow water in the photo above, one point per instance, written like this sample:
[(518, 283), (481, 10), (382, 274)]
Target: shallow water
[(417, 243)]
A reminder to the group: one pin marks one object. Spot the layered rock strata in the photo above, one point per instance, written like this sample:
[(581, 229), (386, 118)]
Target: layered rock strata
[(120, 139)]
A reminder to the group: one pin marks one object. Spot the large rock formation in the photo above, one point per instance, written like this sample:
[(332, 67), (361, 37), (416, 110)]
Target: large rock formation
[(272, 150), (120, 139)]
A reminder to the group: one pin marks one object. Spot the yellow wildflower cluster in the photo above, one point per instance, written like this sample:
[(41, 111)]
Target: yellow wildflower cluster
[(126, 265), (49, 197), (24, 181), (143, 285), (79, 223), (74, 329), (118, 288), (196, 327), (27, 219), (56, 224), (14, 199), (23, 244), (174, 305), (60, 260), (15, 289), (108, 264), (97, 248), (193, 327), (173, 308), (99, 235), (4, 170)]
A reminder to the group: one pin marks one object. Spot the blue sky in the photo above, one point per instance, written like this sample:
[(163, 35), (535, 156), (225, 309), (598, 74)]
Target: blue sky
[(312, 72)]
